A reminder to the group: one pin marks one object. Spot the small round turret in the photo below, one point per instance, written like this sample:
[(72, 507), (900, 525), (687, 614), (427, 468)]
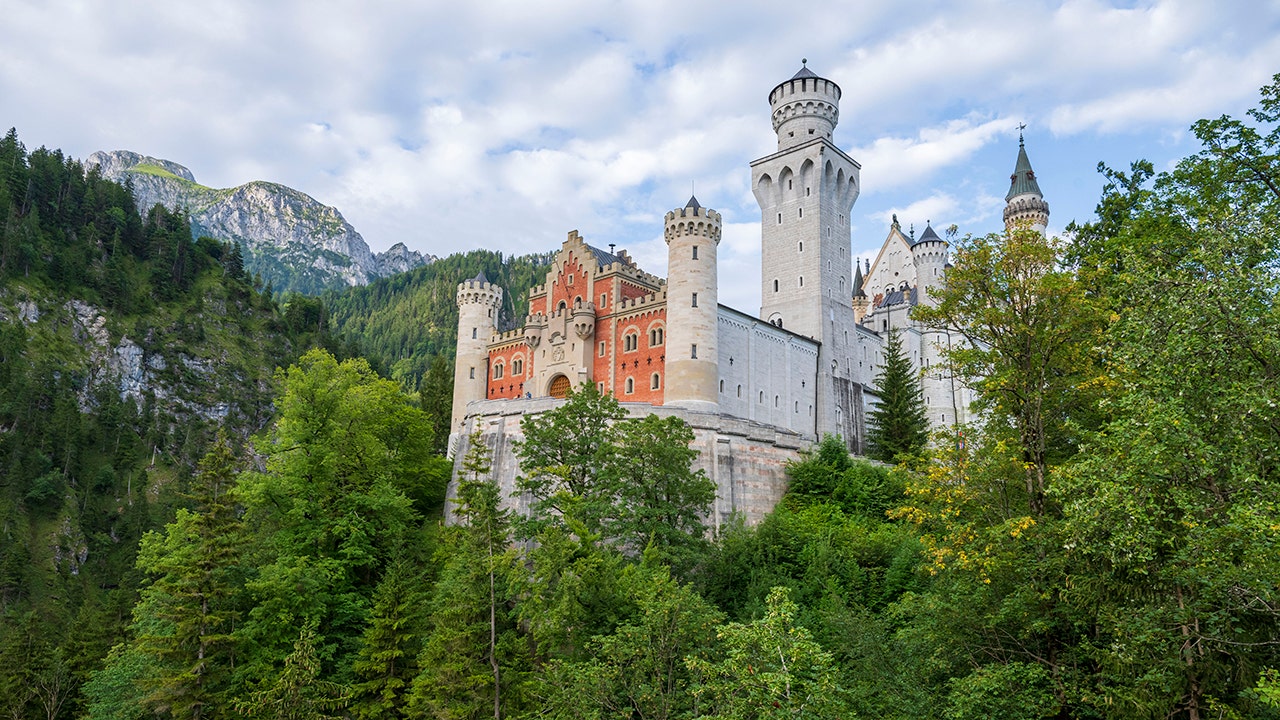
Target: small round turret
[(478, 305), (805, 107), (692, 360), (929, 255)]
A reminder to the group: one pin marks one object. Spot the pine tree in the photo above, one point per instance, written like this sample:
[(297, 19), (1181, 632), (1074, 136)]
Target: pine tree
[(388, 658), (898, 424), (194, 593)]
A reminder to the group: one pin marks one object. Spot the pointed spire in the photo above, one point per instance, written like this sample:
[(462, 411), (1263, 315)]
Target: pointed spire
[(693, 203), (804, 71), (1023, 180), (928, 234), (857, 280)]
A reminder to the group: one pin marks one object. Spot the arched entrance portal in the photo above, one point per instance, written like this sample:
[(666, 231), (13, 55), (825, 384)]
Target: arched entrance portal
[(559, 387)]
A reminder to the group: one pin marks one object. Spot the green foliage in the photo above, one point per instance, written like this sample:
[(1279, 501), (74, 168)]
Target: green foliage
[(193, 595), (898, 425), (387, 661), (349, 474), (298, 693), (473, 634), (638, 669), (564, 456), (770, 668)]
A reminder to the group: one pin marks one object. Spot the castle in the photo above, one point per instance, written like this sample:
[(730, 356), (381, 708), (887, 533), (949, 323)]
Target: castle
[(756, 388)]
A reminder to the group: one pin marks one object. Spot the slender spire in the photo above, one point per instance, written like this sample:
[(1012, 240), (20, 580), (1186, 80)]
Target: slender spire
[(1023, 180), (857, 280)]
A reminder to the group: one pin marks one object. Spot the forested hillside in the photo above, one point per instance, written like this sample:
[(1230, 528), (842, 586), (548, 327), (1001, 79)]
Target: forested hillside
[(403, 322), (407, 325), (124, 348)]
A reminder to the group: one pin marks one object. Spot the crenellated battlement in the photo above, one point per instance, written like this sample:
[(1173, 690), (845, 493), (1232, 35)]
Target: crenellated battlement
[(803, 108), (481, 293), (642, 302), (692, 221)]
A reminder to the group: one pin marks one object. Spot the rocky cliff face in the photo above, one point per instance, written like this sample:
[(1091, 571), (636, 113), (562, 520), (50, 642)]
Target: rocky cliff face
[(295, 242)]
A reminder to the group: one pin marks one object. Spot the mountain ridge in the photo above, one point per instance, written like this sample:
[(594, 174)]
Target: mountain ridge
[(292, 240)]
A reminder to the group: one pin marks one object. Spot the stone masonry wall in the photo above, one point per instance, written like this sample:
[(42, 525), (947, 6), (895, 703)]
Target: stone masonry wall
[(746, 460)]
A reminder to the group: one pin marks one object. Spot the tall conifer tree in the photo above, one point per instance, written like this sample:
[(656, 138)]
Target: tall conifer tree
[(898, 424)]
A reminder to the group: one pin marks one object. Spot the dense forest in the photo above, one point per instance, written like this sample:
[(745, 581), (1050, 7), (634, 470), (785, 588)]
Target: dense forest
[(124, 348), (1102, 545)]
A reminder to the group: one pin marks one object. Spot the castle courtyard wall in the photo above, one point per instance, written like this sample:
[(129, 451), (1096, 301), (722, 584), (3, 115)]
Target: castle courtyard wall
[(746, 460)]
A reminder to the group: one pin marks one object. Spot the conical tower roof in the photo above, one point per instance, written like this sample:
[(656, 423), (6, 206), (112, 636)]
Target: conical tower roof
[(857, 280), (693, 203), (1023, 180)]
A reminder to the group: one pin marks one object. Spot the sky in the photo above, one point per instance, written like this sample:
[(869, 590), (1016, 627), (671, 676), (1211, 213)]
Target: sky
[(450, 126)]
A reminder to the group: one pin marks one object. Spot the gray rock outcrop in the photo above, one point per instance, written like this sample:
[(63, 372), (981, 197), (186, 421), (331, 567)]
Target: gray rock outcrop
[(290, 238)]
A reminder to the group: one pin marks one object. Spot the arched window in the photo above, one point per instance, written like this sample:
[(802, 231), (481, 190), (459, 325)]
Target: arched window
[(497, 371), (517, 367), (630, 386), (631, 341), (655, 337), (722, 386), (775, 285), (655, 382)]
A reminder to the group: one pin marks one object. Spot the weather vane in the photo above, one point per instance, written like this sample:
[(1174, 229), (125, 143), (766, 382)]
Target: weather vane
[(1021, 126)]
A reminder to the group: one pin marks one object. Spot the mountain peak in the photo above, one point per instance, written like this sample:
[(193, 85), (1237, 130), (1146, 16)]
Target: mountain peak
[(293, 240)]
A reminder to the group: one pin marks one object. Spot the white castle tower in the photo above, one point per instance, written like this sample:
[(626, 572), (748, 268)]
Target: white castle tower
[(805, 191), (478, 304), (929, 255), (692, 233), (1024, 204)]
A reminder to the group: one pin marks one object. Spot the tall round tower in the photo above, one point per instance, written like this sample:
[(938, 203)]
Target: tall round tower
[(929, 255), (805, 107), (692, 363), (478, 304), (1024, 204)]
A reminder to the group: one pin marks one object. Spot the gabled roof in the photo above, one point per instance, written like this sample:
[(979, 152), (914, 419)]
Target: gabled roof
[(1023, 180)]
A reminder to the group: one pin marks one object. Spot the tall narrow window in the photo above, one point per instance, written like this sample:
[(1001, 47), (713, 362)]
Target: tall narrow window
[(801, 211), (801, 246), (474, 332), (775, 286), (631, 386), (473, 373), (695, 252), (693, 352), (655, 382), (695, 300)]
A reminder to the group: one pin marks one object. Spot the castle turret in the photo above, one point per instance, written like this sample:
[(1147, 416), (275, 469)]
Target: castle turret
[(1024, 204), (478, 304), (804, 107), (929, 255), (693, 234)]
